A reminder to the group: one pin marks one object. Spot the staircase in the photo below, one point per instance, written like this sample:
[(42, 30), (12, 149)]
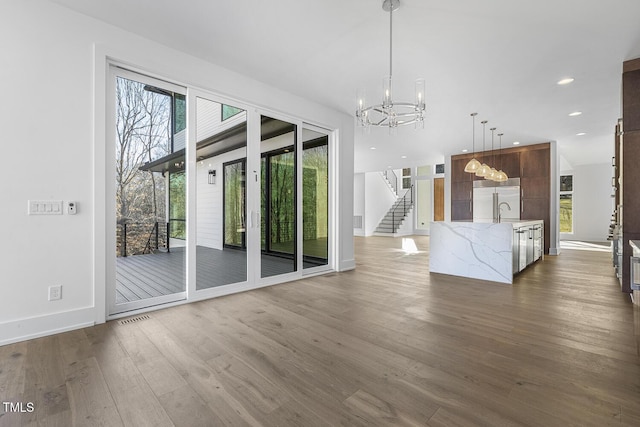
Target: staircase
[(396, 215)]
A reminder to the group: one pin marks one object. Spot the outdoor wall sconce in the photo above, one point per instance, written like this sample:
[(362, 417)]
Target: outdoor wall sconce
[(212, 176)]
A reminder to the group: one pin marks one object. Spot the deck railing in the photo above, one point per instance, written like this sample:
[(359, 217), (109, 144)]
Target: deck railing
[(136, 238)]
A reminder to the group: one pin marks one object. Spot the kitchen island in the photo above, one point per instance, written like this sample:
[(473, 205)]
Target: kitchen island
[(485, 250)]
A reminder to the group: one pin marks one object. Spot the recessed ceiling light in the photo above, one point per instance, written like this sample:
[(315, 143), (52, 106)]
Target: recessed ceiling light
[(581, 133), (372, 148), (516, 142), (566, 81), (575, 113), (465, 150), (404, 157)]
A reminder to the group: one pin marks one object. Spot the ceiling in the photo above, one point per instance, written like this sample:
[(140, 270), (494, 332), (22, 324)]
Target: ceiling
[(499, 58)]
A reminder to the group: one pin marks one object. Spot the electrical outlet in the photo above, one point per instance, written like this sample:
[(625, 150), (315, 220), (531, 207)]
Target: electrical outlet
[(55, 292)]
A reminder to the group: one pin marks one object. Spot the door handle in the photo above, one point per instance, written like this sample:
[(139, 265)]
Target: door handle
[(254, 219)]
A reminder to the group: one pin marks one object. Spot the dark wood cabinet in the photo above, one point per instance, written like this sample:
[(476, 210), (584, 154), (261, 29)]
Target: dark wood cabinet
[(510, 164), (628, 154), (535, 162), (462, 190), (532, 164), (457, 169), (461, 210), (535, 188)]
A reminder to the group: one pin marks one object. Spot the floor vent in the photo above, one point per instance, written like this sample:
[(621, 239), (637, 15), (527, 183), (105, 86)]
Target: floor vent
[(357, 221), (134, 319)]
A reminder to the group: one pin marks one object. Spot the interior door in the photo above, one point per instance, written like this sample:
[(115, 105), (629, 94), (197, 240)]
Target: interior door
[(146, 203)]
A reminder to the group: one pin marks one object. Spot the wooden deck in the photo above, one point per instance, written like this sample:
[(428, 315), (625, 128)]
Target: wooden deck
[(145, 276)]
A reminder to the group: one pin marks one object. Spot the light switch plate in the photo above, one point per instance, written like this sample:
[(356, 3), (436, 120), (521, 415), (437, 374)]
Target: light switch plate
[(44, 207)]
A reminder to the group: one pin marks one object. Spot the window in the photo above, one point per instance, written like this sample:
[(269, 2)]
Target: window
[(406, 178), (228, 111), (235, 196), (179, 112), (177, 206), (566, 203)]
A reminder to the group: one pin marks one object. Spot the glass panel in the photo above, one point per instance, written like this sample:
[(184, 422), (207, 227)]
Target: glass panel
[(221, 150), (566, 213), (177, 205), (234, 204), (278, 201), (566, 183), (315, 199), (228, 111), (150, 261), (425, 170)]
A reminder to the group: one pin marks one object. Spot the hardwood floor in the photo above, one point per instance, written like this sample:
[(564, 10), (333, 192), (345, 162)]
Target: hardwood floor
[(385, 344)]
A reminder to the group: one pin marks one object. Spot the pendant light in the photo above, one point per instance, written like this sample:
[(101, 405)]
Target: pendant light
[(483, 170), (502, 177), (473, 165), (493, 173)]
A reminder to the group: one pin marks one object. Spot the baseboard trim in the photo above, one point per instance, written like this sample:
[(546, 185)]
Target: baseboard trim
[(346, 265), (41, 326)]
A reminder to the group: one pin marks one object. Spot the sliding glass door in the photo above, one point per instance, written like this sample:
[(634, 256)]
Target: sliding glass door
[(278, 176), (208, 197), (221, 154), (315, 198), (147, 122)]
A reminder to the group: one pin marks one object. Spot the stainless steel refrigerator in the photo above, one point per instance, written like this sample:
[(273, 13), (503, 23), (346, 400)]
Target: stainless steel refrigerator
[(496, 201)]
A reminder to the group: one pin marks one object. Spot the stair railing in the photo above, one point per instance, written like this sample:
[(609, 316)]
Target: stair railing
[(392, 178), (403, 205)]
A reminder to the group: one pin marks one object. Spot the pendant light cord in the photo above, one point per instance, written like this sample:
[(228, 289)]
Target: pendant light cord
[(390, 39)]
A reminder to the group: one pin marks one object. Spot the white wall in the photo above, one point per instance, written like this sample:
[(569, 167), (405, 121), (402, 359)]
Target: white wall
[(423, 205), (378, 200), (54, 68), (358, 202), (592, 202)]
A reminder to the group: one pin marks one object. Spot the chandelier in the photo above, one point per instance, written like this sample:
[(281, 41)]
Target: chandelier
[(390, 113)]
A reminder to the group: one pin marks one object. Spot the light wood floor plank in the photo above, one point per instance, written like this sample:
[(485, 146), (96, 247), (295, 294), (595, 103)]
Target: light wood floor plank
[(386, 344)]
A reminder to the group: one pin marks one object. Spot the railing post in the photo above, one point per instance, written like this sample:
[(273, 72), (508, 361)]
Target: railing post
[(168, 237), (157, 227), (124, 239)]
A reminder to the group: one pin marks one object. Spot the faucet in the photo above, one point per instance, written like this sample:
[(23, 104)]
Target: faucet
[(500, 209)]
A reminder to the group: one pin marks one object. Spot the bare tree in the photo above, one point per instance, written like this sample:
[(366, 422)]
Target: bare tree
[(143, 124)]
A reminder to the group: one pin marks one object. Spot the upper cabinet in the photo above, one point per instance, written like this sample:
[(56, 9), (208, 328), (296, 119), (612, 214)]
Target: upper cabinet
[(510, 164), (534, 162)]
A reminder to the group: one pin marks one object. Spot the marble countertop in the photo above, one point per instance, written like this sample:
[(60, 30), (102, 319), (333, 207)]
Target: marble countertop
[(514, 222), (635, 244)]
